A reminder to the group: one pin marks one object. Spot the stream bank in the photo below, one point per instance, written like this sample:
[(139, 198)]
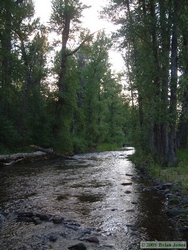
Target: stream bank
[(176, 200)]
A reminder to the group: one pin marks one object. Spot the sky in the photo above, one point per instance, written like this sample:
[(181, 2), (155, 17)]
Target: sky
[(90, 20)]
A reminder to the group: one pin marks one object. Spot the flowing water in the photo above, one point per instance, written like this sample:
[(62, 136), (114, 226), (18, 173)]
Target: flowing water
[(87, 190)]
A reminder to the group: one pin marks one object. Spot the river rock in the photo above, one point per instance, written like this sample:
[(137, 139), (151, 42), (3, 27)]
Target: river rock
[(25, 214), (154, 188), (129, 174), (25, 219), (134, 202), (52, 238), (173, 201), (43, 217), (113, 209), (131, 227), (93, 239), (73, 225), (127, 192), (78, 246), (36, 221), (167, 185), (129, 210), (126, 183), (166, 192), (57, 219)]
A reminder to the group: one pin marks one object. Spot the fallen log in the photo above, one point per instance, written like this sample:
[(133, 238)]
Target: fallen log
[(51, 152), (8, 160)]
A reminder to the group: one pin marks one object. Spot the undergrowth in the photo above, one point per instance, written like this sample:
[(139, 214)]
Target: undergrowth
[(178, 174)]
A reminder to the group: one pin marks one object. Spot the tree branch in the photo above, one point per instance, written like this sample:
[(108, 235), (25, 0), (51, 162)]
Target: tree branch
[(81, 44)]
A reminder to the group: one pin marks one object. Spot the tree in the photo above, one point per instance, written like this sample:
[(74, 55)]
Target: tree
[(99, 97), (151, 32), (65, 20), (23, 56)]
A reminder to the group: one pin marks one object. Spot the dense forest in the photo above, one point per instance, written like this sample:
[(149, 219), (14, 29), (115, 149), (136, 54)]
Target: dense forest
[(153, 36), (63, 94)]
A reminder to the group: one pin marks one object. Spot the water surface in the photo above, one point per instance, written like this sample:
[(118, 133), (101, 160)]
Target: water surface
[(88, 190)]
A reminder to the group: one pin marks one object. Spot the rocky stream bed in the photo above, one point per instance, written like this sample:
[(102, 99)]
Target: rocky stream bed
[(99, 201)]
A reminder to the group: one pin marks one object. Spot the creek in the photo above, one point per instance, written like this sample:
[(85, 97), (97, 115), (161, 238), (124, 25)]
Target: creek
[(98, 194)]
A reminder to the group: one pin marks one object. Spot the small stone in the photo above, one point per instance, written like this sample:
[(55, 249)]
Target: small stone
[(127, 192), (133, 228), (129, 175), (52, 238), (78, 246), (129, 210), (167, 185), (37, 221), (167, 191), (43, 217), (134, 202), (25, 214), (113, 209), (57, 219), (93, 239), (126, 183)]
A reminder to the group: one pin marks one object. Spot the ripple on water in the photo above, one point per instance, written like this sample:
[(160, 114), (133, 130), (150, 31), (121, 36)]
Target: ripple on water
[(88, 190)]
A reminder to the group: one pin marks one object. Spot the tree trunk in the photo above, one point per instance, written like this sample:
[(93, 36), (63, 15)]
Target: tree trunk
[(165, 42), (172, 141), (51, 152), (5, 38), (182, 133)]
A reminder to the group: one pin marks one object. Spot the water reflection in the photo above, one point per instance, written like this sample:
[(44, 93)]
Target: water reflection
[(90, 191)]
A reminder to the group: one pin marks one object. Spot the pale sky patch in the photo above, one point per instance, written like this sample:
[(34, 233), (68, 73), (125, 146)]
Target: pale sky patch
[(90, 21)]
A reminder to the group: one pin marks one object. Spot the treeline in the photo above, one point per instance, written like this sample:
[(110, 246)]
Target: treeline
[(50, 94), (154, 36), (63, 93)]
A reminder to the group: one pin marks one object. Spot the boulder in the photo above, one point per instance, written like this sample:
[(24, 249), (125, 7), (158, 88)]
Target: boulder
[(93, 239), (78, 246)]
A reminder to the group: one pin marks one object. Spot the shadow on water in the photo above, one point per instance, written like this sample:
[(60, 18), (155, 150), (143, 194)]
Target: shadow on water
[(88, 190)]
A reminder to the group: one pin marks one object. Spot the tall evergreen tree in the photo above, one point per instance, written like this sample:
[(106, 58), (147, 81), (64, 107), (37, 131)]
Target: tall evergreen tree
[(65, 21), (151, 32)]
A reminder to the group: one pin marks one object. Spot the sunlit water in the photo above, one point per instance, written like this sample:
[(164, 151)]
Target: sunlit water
[(88, 190)]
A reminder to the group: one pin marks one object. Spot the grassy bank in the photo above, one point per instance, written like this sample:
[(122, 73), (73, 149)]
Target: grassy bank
[(177, 175)]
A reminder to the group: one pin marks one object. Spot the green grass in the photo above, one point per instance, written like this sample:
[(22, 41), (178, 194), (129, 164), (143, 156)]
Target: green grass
[(177, 174)]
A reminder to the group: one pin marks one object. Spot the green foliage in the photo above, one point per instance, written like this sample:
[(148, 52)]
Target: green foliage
[(183, 158), (85, 108), (108, 147), (155, 39), (10, 137)]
